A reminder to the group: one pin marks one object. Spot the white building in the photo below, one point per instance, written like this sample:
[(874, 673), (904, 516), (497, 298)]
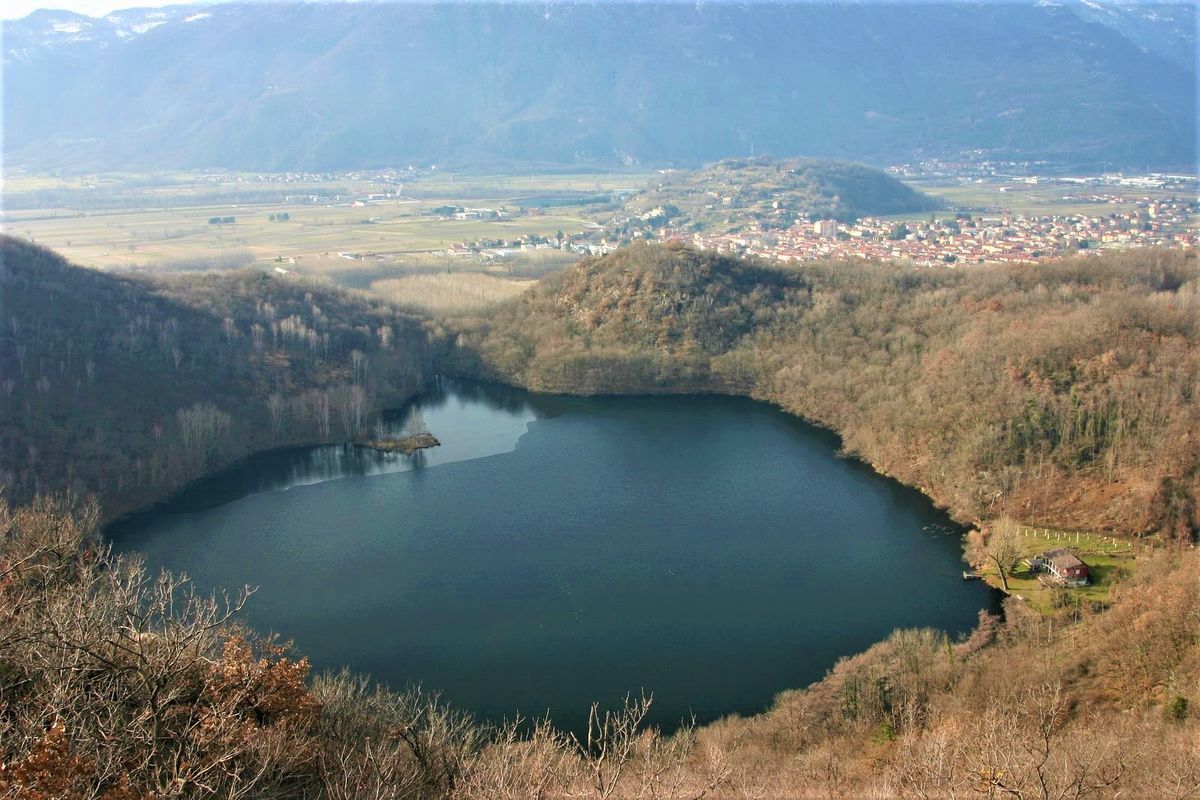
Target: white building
[(825, 227)]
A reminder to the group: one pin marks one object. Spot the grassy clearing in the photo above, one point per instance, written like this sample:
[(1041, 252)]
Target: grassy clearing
[(1109, 562), (536, 263), (449, 292)]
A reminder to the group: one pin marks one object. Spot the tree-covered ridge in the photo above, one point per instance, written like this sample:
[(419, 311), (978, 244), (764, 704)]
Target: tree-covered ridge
[(643, 318), (775, 193), (129, 387), (1062, 394), (671, 300)]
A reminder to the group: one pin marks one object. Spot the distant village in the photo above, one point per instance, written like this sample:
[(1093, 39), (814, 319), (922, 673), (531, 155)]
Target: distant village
[(993, 235), (1003, 237), (963, 239)]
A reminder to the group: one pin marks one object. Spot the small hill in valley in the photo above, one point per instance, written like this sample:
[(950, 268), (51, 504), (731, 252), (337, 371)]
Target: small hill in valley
[(645, 318), (775, 193)]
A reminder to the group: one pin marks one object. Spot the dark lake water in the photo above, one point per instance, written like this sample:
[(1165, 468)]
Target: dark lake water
[(555, 551)]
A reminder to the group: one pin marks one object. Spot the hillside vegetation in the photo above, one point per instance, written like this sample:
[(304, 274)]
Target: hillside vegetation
[(1062, 390), (1063, 395), (127, 388), (448, 292), (117, 684)]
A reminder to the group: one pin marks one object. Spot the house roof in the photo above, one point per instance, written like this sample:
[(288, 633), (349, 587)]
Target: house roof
[(1064, 559)]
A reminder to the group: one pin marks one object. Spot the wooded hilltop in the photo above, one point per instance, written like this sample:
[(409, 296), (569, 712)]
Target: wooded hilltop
[(1063, 393), (773, 192)]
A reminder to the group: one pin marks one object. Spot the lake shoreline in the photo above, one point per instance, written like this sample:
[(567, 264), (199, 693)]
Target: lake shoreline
[(550, 529), (159, 499)]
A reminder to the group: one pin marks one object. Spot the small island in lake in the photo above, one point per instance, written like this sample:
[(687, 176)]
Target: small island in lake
[(403, 444)]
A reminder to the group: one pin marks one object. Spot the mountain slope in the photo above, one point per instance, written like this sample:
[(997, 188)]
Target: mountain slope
[(339, 86), (1168, 29), (128, 388)]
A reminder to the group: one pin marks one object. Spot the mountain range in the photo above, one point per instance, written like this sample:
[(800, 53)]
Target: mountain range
[(323, 86)]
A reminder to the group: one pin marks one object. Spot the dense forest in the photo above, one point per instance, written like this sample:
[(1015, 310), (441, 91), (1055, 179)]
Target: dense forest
[(127, 388), (1063, 394)]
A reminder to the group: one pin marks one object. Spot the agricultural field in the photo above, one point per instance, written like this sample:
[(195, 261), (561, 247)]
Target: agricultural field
[(362, 229), (1041, 199), (388, 228), (389, 221)]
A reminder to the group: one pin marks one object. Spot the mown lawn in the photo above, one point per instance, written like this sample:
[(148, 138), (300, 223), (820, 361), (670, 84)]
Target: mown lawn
[(1108, 563)]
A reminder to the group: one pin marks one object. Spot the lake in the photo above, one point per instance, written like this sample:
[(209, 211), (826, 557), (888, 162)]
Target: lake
[(554, 550)]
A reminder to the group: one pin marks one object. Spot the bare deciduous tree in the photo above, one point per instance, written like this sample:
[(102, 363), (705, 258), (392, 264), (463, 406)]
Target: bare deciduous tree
[(201, 427), (276, 407), (610, 743), (1000, 544)]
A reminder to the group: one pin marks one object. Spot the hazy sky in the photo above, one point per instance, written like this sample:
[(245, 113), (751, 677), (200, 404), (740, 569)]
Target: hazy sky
[(15, 9)]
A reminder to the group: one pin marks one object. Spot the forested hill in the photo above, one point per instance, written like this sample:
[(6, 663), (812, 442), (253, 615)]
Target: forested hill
[(336, 86), (127, 388), (1062, 394)]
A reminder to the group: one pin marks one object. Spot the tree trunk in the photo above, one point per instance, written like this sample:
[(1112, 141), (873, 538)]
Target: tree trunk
[(1003, 574)]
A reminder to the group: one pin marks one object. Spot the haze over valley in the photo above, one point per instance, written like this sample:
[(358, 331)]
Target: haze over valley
[(456, 401)]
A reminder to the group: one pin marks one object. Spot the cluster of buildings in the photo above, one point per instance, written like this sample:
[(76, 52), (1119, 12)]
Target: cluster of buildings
[(1005, 237), (491, 250), (977, 168), (382, 176)]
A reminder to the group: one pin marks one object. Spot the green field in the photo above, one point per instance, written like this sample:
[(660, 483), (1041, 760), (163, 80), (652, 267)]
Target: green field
[(1109, 562), (170, 188)]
